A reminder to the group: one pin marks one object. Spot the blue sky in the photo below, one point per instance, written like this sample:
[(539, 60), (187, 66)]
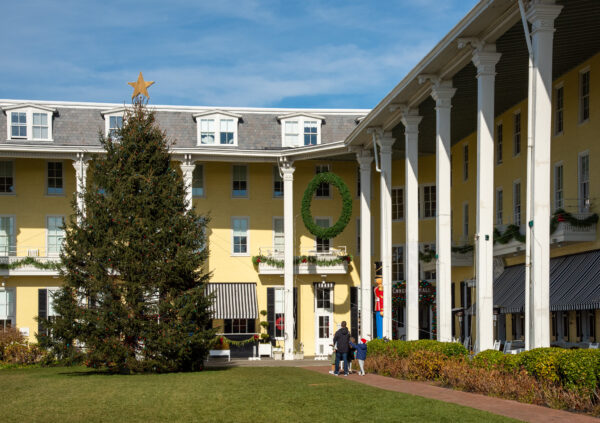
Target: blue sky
[(345, 54)]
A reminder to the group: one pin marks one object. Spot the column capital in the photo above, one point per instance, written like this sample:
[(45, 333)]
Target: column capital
[(287, 170), (187, 169), (364, 158), (410, 119), (386, 141), (541, 14), (485, 60), (442, 92)]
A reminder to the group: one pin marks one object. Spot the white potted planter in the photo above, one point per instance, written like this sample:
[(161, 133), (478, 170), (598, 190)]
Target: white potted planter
[(265, 349), (277, 354), (298, 356)]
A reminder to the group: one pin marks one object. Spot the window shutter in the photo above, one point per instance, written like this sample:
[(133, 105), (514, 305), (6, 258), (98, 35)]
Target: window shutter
[(271, 312), (42, 309), (469, 299), (251, 325), (453, 294), (462, 295), (295, 313), (227, 326), (354, 312)]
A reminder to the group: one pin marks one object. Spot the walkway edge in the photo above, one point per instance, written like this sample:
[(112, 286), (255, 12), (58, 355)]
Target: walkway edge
[(503, 407)]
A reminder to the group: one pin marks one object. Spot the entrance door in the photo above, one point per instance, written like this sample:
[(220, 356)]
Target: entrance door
[(323, 321)]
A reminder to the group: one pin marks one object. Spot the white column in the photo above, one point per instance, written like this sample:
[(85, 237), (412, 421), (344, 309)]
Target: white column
[(541, 14), (187, 170), (485, 59), (442, 93), (385, 142), (288, 259), (411, 121), (365, 159), (81, 166)]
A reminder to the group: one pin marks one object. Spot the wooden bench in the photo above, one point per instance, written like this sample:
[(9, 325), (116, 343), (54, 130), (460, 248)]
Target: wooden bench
[(219, 353)]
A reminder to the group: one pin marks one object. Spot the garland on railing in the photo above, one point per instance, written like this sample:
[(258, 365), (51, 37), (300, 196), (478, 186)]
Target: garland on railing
[(512, 231), (302, 260), (221, 341), (30, 261)]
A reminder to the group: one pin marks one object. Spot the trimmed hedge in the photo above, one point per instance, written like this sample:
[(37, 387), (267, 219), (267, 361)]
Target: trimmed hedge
[(403, 349)]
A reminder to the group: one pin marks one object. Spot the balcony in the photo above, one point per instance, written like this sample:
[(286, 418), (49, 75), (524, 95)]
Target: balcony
[(333, 261), (513, 245), (567, 232), (462, 256), (27, 261)]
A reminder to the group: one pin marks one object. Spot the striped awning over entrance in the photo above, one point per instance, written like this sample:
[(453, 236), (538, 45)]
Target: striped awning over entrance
[(233, 300), (574, 284)]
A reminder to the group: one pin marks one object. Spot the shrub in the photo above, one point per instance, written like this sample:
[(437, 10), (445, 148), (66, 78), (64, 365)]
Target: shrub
[(542, 363), (579, 370), (425, 365), (23, 354), (403, 349), (489, 359), (9, 337)]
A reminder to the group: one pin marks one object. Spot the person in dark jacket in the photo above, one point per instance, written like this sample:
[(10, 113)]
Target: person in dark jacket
[(342, 340), (361, 354)]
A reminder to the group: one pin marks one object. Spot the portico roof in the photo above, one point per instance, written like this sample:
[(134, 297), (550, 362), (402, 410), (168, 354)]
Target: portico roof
[(577, 38)]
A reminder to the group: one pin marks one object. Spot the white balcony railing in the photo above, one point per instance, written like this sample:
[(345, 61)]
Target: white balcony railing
[(567, 233), (333, 260), (24, 260)]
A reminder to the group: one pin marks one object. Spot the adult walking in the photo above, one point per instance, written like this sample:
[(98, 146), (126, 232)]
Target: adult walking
[(342, 340)]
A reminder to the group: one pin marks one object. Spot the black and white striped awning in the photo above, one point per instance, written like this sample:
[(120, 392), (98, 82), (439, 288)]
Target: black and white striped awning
[(233, 300), (574, 284)]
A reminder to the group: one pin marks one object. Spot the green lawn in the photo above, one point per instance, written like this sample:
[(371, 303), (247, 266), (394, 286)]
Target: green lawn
[(234, 395)]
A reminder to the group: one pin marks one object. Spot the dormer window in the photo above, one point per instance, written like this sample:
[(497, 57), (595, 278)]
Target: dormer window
[(217, 128), (29, 122), (113, 121), (299, 130)]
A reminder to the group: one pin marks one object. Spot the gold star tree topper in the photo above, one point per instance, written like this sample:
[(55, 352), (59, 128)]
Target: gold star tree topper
[(140, 87)]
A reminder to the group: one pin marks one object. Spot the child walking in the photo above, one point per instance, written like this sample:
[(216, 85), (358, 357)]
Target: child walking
[(361, 354)]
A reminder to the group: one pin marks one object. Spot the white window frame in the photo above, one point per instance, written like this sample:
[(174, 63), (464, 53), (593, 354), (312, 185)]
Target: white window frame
[(422, 202), (519, 133), (319, 166), (400, 219), (6, 313), (29, 110), (583, 208), (519, 203), (580, 97), (247, 181), (276, 171), (217, 117), (48, 217), (107, 114), (50, 290), (14, 185), (403, 255), (201, 167), (61, 194), (559, 111), (276, 218), (329, 241), (12, 246), (499, 206), (557, 206), (247, 253), (275, 313), (301, 120)]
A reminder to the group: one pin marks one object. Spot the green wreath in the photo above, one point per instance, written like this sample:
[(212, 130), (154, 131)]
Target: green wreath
[(332, 231)]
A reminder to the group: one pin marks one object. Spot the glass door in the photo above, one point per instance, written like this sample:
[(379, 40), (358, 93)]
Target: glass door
[(323, 321)]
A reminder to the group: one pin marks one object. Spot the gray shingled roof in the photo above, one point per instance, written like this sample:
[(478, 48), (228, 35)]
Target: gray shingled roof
[(256, 131)]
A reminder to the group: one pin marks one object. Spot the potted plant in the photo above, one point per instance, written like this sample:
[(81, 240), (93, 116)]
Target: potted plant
[(299, 353), (277, 353), (264, 346)]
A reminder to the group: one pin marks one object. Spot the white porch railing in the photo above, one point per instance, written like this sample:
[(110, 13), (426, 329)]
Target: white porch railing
[(333, 260), (24, 260)]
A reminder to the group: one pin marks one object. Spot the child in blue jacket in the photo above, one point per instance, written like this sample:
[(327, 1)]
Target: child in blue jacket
[(361, 354)]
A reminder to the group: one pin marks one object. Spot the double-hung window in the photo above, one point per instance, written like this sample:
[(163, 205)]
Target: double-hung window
[(584, 96), (55, 235), (323, 244), (277, 183), (29, 122), (499, 135), (115, 123), (7, 177), (240, 235), (239, 326), (559, 111), (397, 203), (240, 181), (7, 308), (55, 183), (499, 205), (7, 236), (279, 313), (198, 181), (517, 134), (558, 186), (517, 203), (584, 182), (217, 128), (299, 130), (278, 235), (397, 263), (429, 201), (323, 189)]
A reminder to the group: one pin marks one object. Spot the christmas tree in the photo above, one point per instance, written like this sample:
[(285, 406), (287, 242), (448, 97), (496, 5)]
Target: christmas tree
[(133, 262)]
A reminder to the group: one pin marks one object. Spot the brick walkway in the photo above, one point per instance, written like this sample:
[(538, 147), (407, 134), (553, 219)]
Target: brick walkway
[(508, 408)]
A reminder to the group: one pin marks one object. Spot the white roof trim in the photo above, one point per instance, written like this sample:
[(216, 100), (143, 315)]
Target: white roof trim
[(216, 112), (33, 106), (298, 114), (114, 111)]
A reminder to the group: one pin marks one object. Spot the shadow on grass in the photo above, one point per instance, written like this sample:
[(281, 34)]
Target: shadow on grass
[(101, 372)]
